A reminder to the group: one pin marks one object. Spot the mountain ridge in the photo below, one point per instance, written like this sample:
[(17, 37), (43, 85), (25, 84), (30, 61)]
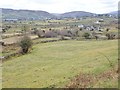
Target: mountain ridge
[(39, 14)]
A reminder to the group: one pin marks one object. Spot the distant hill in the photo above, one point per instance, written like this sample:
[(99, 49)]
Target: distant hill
[(25, 14), (115, 13), (38, 14), (76, 14), (33, 14)]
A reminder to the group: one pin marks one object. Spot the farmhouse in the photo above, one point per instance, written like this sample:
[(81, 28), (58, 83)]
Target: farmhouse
[(81, 26), (97, 22), (101, 20)]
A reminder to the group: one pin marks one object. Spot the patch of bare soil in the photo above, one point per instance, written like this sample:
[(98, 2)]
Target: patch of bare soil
[(89, 80)]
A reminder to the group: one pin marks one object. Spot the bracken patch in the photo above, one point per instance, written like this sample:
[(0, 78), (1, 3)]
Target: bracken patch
[(88, 80)]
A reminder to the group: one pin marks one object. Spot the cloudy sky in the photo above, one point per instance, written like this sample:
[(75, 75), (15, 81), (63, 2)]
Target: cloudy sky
[(61, 6)]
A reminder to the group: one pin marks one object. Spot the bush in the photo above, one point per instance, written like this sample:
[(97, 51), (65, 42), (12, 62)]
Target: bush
[(39, 34), (110, 36), (25, 44), (25, 28), (107, 29), (35, 30), (86, 35)]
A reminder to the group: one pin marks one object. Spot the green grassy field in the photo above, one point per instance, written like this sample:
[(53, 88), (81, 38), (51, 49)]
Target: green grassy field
[(54, 64)]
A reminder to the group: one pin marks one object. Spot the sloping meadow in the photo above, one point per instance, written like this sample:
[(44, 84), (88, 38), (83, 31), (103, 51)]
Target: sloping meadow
[(55, 64)]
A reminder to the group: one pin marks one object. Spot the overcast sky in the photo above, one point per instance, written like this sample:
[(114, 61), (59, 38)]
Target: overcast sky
[(61, 6)]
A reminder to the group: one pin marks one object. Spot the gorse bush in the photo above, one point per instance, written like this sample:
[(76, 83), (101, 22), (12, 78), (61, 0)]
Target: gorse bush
[(25, 44)]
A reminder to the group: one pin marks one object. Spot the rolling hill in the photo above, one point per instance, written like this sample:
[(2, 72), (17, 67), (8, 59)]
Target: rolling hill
[(115, 13), (33, 14), (39, 14), (25, 14), (76, 14)]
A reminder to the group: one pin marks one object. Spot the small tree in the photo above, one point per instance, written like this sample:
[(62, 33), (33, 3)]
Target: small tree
[(39, 34), (110, 36), (86, 35), (35, 30), (25, 28), (107, 29), (80, 29), (25, 44), (3, 30), (96, 37)]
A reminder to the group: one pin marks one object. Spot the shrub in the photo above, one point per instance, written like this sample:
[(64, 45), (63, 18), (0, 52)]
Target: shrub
[(107, 29), (110, 36), (39, 34), (35, 31), (80, 29), (25, 44), (86, 35), (25, 28)]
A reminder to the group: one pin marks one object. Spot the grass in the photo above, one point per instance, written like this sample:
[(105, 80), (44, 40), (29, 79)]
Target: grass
[(54, 64)]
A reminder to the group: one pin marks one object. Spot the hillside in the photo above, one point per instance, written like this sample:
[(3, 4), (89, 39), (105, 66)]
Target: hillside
[(77, 14), (25, 14), (38, 14), (32, 14), (114, 13), (55, 64)]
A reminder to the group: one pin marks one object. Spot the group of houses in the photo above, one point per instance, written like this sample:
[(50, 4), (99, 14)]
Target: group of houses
[(94, 30)]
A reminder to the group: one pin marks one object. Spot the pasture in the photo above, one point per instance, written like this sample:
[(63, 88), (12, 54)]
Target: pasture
[(56, 64), (73, 60)]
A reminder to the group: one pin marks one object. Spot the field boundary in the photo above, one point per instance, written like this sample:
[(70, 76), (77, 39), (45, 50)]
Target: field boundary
[(18, 53)]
